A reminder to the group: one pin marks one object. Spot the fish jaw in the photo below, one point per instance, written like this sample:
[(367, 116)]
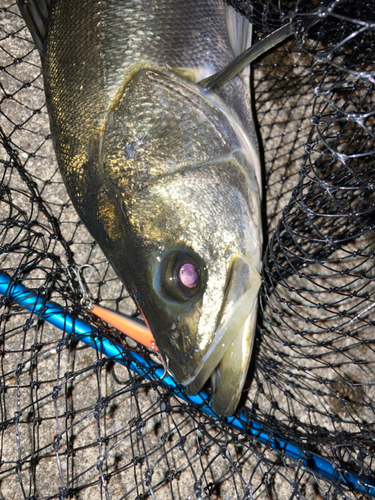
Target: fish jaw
[(229, 377), (229, 355)]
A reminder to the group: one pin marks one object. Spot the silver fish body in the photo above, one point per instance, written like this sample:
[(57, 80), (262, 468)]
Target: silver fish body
[(164, 174)]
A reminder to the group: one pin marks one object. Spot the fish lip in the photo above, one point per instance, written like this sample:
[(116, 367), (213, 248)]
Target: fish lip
[(240, 302), (228, 379)]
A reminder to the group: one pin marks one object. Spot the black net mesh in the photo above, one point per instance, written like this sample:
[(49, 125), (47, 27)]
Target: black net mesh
[(74, 424)]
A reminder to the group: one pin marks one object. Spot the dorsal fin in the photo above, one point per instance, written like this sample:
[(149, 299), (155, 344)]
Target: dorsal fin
[(36, 14)]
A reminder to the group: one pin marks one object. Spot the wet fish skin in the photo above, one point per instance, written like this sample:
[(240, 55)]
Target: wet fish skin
[(157, 167)]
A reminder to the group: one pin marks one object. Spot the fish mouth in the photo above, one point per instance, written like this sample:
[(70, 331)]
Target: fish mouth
[(228, 357)]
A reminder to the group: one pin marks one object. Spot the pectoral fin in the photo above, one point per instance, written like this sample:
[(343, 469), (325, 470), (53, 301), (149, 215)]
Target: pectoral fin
[(247, 57)]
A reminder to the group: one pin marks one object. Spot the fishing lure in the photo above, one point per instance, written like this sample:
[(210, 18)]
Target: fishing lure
[(130, 327)]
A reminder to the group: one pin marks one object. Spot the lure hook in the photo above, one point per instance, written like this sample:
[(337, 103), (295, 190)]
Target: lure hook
[(86, 300), (164, 362)]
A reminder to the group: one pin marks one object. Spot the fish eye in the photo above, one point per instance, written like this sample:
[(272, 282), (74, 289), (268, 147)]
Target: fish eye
[(186, 275), (179, 276)]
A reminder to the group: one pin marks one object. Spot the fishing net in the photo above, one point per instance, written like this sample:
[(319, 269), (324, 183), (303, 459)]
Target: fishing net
[(75, 424)]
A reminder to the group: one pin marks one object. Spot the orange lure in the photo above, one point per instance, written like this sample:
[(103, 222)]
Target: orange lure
[(130, 327), (133, 328)]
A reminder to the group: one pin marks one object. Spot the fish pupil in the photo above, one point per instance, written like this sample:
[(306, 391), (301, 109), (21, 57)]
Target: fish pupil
[(189, 275), (187, 278)]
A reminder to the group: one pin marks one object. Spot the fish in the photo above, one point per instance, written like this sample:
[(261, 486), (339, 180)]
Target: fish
[(164, 172)]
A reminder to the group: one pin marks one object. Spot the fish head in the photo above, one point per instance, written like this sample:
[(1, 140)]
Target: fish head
[(191, 250), (197, 279)]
